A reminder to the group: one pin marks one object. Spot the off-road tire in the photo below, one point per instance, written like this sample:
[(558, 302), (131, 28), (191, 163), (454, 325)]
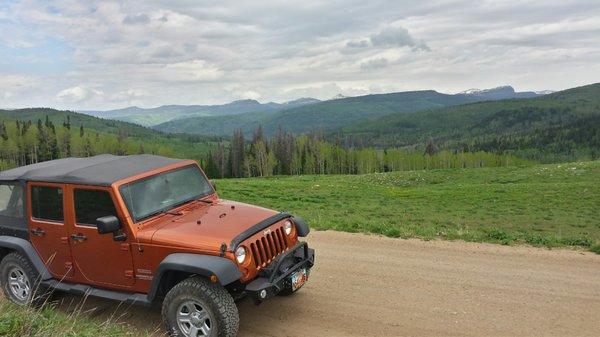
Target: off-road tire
[(38, 293), (212, 296)]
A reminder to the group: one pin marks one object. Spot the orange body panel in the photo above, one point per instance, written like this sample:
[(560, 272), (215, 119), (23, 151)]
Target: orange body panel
[(198, 227), (52, 244)]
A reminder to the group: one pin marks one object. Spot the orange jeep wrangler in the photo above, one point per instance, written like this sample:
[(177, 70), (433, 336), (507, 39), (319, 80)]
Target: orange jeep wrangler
[(144, 229)]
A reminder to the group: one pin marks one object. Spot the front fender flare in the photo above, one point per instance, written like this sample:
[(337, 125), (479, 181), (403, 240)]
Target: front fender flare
[(226, 271)]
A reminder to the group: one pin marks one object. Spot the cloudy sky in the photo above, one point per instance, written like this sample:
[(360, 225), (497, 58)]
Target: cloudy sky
[(109, 54)]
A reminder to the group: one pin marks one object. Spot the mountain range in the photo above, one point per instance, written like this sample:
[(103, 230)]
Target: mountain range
[(559, 126), (331, 114), (564, 123), (165, 113)]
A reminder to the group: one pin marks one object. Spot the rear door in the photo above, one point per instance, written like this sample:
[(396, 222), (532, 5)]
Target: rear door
[(47, 230), (98, 258)]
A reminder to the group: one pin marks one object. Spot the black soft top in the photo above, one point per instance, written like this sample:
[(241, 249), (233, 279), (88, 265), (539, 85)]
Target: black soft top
[(101, 170)]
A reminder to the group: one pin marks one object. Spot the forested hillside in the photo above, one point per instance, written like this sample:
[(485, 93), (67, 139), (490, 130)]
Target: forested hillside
[(560, 126), (33, 135), (332, 114), (287, 154)]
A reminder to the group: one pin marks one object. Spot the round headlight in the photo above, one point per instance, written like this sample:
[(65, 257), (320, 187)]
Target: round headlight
[(240, 254), (287, 226)]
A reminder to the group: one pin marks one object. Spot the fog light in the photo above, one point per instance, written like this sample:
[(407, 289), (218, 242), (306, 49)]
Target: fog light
[(263, 294)]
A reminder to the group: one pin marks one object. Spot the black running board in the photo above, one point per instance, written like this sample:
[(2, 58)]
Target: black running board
[(80, 289)]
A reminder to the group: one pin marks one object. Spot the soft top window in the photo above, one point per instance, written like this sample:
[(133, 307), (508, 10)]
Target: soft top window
[(11, 200), (91, 205), (47, 203)]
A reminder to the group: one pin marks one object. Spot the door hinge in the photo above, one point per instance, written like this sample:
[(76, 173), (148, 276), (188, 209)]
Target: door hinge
[(129, 273), (125, 247), (64, 240)]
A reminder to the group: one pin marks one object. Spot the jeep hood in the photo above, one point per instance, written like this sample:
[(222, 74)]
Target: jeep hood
[(204, 226)]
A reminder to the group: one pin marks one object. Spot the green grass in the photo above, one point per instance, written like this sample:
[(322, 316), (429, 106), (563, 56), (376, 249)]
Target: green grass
[(545, 205), (50, 322)]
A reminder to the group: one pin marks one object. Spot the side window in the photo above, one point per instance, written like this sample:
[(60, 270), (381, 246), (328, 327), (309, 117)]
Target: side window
[(11, 200), (91, 205), (47, 203)]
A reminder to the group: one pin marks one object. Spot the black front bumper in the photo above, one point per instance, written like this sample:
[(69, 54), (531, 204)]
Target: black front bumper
[(276, 276)]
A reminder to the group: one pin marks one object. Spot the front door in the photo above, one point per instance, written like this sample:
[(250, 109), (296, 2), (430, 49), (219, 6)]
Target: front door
[(47, 229), (99, 259)]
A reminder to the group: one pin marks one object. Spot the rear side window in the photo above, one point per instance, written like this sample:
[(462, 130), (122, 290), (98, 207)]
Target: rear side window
[(11, 200), (47, 203), (91, 205)]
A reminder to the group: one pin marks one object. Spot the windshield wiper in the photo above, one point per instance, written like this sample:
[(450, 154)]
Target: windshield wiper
[(159, 213), (168, 210)]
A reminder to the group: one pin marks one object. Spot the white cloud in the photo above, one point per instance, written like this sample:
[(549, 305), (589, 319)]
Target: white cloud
[(128, 95), (77, 94), (194, 70), (136, 19), (397, 37), (251, 94), (377, 63), (108, 53)]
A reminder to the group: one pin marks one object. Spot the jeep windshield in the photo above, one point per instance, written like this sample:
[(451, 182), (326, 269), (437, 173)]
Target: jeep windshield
[(160, 193)]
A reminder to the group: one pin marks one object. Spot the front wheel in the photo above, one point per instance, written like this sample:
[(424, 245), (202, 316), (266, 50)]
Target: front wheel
[(20, 281), (197, 307)]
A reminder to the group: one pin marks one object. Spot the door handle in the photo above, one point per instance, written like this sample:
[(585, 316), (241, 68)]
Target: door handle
[(38, 232), (78, 237)]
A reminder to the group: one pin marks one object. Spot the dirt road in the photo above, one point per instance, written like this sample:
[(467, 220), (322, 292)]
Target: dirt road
[(373, 286)]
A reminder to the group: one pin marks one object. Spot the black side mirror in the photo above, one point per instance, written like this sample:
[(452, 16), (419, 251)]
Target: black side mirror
[(214, 186), (108, 224)]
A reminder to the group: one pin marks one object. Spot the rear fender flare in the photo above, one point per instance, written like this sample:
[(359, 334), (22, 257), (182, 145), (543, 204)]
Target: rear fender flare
[(26, 249), (224, 269)]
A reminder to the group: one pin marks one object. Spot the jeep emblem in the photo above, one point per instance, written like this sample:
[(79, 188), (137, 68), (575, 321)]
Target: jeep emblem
[(267, 231)]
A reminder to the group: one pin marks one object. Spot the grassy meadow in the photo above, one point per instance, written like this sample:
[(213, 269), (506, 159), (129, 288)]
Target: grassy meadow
[(16, 321), (543, 205)]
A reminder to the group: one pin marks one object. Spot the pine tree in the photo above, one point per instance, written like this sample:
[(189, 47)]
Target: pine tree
[(42, 144), (237, 154), (258, 135), (67, 123), (211, 169), (88, 149), (51, 139), (431, 149), (3, 132)]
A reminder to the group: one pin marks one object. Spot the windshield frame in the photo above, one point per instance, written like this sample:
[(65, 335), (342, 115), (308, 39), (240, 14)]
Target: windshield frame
[(165, 209)]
